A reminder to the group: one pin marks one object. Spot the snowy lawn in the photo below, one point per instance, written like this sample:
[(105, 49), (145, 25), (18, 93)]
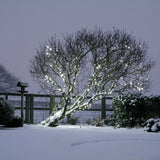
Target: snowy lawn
[(35, 142)]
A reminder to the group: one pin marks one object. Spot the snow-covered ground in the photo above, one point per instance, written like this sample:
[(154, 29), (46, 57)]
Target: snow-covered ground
[(35, 142)]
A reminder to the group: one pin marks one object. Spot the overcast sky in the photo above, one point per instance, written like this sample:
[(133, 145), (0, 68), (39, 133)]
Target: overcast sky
[(26, 23)]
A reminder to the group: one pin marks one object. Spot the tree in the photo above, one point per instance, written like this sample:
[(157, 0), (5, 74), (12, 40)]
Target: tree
[(8, 82), (90, 62)]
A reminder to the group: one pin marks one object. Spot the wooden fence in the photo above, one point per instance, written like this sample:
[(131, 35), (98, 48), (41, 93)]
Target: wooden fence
[(43, 104)]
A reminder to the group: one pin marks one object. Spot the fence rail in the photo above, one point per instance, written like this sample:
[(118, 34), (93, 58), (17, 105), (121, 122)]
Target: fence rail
[(38, 107)]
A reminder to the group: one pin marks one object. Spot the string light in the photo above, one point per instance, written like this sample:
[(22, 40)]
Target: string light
[(131, 83), (46, 77), (47, 46), (98, 67)]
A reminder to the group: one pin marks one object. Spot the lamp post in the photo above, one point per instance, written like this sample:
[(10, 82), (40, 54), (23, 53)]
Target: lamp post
[(22, 85)]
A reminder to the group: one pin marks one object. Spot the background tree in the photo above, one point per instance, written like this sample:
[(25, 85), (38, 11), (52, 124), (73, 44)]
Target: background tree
[(8, 82), (90, 62)]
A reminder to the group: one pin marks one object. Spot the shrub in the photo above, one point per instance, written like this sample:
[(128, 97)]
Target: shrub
[(6, 111), (154, 109), (152, 125), (72, 120), (130, 110), (109, 121), (15, 122), (98, 122)]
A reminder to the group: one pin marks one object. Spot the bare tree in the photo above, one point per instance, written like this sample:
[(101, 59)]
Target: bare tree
[(8, 82), (90, 62)]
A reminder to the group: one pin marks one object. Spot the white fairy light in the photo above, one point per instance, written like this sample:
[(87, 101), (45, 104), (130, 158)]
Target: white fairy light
[(62, 75), (129, 47), (139, 88), (47, 81), (100, 96), (110, 92), (123, 84), (59, 89), (70, 89), (74, 83), (140, 84), (87, 90), (47, 46), (98, 67), (131, 83), (48, 54), (46, 77)]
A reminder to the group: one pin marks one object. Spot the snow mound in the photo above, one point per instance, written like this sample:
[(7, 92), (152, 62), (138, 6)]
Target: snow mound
[(153, 125)]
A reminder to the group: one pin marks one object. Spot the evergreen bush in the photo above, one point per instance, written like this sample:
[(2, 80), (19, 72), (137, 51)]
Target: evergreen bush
[(154, 109), (6, 111), (152, 125), (15, 122), (130, 110)]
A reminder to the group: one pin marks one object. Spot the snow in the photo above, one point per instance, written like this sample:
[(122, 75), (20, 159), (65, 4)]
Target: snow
[(36, 142), (153, 125)]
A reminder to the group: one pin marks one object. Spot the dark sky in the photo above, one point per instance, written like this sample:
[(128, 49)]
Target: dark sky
[(26, 23)]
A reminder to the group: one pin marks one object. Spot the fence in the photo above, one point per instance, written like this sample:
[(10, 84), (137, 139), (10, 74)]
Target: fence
[(38, 107)]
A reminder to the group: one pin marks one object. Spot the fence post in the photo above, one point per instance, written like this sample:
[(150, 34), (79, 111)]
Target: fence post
[(31, 109), (103, 108), (52, 104), (6, 97), (27, 105)]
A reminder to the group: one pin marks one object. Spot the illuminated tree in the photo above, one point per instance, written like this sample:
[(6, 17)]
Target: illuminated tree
[(90, 63)]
